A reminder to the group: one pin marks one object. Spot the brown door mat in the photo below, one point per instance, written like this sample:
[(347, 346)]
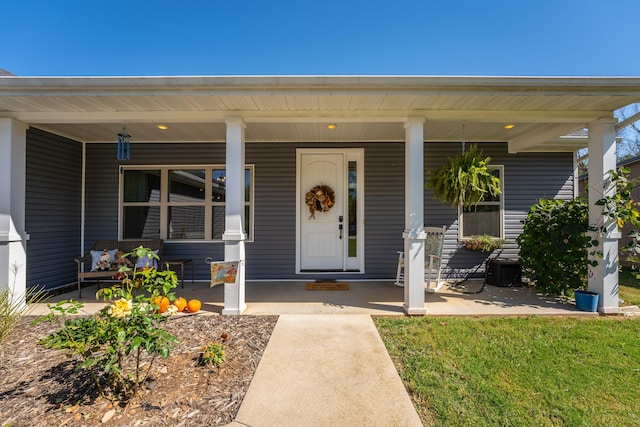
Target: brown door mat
[(327, 286)]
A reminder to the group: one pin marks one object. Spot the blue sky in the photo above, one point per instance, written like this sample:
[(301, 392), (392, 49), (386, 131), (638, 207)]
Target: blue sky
[(329, 37)]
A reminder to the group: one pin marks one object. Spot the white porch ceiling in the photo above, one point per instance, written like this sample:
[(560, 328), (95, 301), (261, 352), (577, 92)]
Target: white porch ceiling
[(298, 109)]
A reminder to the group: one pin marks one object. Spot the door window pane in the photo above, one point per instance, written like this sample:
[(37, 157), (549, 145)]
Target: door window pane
[(353, 209)]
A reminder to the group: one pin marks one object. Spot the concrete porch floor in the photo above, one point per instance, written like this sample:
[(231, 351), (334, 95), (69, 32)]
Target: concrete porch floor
[(373, 298)]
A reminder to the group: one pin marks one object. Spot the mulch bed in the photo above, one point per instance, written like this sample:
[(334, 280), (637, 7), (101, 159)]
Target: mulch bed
[(41, 387)]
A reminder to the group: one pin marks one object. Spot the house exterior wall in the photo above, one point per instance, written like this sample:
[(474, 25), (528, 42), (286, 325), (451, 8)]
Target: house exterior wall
[(271, 255), (53, 202)]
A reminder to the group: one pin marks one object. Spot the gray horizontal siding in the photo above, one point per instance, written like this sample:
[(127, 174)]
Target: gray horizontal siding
[(53, 202), (271, 255), (384, 207)]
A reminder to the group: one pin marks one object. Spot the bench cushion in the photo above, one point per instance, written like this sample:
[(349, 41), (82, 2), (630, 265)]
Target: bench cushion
[(102, 260)]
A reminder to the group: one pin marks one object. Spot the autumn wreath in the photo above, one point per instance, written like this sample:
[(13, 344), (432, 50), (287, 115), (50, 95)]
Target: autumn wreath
[(319, 199)]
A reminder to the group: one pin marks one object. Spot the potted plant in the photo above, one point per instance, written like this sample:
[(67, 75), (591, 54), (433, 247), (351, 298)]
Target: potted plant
[(586, 300), (464, 180), (483, 242)]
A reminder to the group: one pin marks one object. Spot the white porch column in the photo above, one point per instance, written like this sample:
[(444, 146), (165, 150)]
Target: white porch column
[(234, 235), (414, 235), (13, 237), (603, 278)]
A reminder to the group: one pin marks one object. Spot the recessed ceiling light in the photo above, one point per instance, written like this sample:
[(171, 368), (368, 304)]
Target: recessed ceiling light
[(332, 125), (510, 126), (163, 127)]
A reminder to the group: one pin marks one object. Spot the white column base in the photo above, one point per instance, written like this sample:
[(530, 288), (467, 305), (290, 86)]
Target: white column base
[(413, 311), (609, 310), (234, 293), (233, 311), (414, 272), (13, 276)]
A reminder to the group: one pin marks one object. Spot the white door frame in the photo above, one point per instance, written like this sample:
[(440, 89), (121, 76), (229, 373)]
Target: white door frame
[(352, 265)]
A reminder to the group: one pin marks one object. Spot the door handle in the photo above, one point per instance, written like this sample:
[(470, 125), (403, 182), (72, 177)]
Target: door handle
[(340, 228)]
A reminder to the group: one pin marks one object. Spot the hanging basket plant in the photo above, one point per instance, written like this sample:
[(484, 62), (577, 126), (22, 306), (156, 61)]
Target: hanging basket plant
[(319, 199), (464, 180)]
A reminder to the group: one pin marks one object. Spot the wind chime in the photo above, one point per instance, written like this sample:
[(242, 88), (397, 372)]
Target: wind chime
[(124, 144)]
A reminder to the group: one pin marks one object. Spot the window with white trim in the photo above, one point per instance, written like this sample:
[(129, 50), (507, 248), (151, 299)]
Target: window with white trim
[(178, 203), (487, 216)]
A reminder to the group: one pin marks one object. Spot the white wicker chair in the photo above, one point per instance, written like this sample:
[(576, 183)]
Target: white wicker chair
[(433, 256)]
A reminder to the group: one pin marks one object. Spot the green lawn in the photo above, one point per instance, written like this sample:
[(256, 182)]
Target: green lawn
[(534, 371), (629, 290)]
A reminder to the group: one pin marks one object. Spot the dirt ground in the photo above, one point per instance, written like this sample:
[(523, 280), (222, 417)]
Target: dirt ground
[(41, 387)]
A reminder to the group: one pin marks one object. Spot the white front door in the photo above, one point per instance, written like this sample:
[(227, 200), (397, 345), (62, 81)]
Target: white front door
[(322, 233)]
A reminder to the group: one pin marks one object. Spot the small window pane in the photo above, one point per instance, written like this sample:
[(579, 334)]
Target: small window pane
[(141, 186), (219, 188), (489, 197), (218, 222), (483, 219), (186, 185), (186, 222), (218, 185), (141, 222)]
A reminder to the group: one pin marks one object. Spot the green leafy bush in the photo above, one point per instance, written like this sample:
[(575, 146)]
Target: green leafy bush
[(112, 343), (554, 245)]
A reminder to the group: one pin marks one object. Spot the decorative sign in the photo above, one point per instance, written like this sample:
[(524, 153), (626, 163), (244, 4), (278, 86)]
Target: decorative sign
[(223, 272)]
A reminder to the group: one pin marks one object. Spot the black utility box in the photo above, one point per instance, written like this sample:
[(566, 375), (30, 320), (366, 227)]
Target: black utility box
[(503, 272)]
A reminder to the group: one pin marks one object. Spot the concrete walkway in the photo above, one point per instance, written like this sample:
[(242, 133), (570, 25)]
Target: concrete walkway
[(326, 370)]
